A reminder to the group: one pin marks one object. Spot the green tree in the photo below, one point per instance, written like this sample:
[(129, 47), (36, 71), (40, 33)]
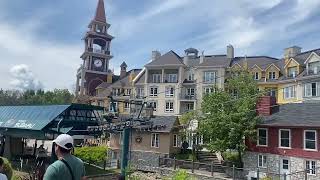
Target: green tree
[(229, 115)]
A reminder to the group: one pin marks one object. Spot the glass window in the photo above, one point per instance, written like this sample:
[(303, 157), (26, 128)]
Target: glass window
[(208, 90), (111, 107), (310, 141), (156, 78), (169, 106), (172, 78), (284, 138), (175, 140), (314, 67), (262, 137), (285, 164), (154, 105), (169, 91), (289, 92), (256, 75), (311, 167), (272, 75), (190, 76), (126, 105), (190, 106), (190, 91), (153, 91), (140, 92), (155, 140), (210, 77), (292, 71), (262, 161)]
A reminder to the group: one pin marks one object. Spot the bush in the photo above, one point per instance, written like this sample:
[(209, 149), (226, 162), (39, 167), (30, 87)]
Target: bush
[(181, 175), (92, 154), (7, 168), (231, 157)]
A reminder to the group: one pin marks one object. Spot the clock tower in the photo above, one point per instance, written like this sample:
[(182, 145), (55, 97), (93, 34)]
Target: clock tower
[(96, 56)]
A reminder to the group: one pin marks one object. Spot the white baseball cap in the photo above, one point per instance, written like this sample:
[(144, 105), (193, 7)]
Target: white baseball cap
[(65, 141)]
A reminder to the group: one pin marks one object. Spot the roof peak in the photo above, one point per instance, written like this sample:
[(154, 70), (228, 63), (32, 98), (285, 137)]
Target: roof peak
[(100, 12)]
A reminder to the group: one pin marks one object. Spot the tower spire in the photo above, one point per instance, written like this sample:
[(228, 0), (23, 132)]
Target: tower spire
[(100, 12)]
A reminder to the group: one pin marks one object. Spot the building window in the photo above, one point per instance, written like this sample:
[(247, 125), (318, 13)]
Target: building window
[(156, 78), (210, 77), (262, 137), (292, 72), (190, 76), (155, 141), (310, 139), (262, 161), (172, 78), (285, 164), (284, 138), (126, 105), (175, 140), (208, 90), (153, 91), (311, 89), (272, 92), (311, 167), (140, 92), (169, 91), (314, 67), (128, 92), (256, 75), (169, 106), (272, 75), (100, 103), (189, 106), (190, 92), (111, 107), (153, 104), (289, 92)]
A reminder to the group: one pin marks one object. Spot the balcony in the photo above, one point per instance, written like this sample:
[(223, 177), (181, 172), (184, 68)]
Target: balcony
[(184, 96)]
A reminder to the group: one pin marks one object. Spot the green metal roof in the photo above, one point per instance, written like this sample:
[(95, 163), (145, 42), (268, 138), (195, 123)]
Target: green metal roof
[(29, 117)]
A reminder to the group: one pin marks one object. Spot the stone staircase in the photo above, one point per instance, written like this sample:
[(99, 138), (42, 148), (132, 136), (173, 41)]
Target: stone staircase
[(207, 157)]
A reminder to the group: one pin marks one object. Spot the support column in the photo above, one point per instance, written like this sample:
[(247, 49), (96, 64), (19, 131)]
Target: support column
[(162, 76), (180, 74), (125, 150), (146, 76), (7, 147), (77, 85)]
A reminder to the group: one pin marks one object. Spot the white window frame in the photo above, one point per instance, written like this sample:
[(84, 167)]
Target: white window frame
[(210, 76), (110, 106), (126, 104), (190, 92), (272, 75), (156, 78), (208, 90), (140, 92), (289, 92), (264, 161), (152, 91), (190, 76), (154, 105), (258, 144), (280, 146), (293, 73), (170, 109), (128, 92), (175, 140), (169, 91), (287, 164), (155, 140), (256, 75), (188, 105), (313, 170), (316, 140), (172, 78)]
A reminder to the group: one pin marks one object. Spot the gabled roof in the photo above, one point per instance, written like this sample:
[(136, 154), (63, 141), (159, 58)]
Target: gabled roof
[(295, 115), (302, 57), (215, 61), (100, 15), (261, 61), (170, 58)]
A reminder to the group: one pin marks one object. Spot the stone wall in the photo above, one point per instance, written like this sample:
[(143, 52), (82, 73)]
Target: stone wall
[(145, 161), (273, 167)]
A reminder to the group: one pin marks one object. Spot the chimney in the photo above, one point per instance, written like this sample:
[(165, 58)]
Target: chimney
[(230, 51), (291, 51), (202, 57), (266, 105), (155, 55), (123, 70)]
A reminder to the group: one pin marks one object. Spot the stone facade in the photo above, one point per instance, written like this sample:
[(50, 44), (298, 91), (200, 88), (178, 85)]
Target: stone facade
[(273, 166)]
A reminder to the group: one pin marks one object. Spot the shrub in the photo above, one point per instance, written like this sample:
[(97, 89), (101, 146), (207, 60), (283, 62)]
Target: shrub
[(92, 154), (231, 157), (7, 168), (181, 175)]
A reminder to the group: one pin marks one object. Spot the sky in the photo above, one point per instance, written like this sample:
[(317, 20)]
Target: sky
[(41, 40)]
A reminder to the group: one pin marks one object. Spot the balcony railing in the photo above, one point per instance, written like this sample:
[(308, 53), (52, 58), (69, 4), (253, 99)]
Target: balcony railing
[(99, 51), (184, 96)]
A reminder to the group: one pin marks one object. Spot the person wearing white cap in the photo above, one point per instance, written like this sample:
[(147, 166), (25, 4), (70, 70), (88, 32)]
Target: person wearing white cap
[(67, 167)]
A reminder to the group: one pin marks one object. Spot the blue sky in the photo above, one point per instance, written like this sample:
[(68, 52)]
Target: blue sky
[(40, 40)]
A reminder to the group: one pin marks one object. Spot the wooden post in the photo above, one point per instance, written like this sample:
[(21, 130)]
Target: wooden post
[(192, 165), (258, 174), (306, 174), (211, 168), (159, 161), (233, 172), (174, 163)]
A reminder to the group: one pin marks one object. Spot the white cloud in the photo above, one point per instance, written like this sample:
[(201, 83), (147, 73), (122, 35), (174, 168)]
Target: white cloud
[(23, 78)]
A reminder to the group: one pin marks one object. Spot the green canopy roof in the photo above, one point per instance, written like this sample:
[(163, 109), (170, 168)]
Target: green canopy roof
[(46, 116)]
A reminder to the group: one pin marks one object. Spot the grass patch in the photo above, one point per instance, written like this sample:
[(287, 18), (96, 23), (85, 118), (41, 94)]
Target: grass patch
[(92, 170)]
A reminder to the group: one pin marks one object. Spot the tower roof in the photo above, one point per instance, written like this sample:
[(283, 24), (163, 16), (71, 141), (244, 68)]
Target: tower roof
[(100, 12), (123, 64)]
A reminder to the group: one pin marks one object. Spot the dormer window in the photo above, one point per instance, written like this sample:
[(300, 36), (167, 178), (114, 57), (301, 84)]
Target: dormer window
[(314, 67), (272, 75), (256, 75), (292, 72)]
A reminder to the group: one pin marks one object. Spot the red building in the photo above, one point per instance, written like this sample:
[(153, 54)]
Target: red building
[(287, 141)]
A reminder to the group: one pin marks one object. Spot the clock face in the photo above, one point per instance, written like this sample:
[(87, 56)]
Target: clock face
[(97, 63)]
